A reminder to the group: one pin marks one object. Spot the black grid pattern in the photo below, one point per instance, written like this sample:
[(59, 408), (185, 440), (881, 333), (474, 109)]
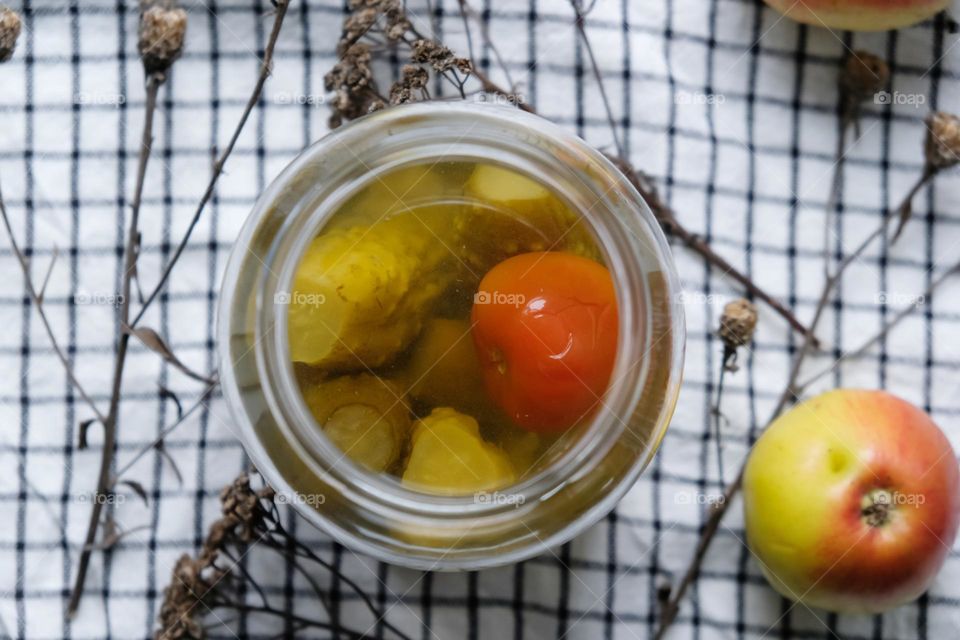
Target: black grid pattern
[(732, 109)]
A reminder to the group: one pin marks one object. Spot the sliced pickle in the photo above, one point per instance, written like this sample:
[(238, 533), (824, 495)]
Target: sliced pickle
[(363, 415), (448, 457)]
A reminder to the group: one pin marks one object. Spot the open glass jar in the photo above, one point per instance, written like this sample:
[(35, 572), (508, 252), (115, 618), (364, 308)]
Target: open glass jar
[(583, 477)]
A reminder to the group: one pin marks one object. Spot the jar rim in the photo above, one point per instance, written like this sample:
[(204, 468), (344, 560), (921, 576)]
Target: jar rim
[(272, 352)]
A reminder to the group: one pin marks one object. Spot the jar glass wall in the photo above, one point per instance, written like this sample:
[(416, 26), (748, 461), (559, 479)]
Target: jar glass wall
[(373, 513)]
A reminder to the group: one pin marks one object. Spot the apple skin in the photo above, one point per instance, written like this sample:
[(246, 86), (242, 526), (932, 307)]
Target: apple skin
[(806, 485), (859, 15)]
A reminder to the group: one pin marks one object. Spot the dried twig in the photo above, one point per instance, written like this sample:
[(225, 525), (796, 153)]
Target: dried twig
[(265, 70), (580, 20), (899, 317), (201, 584), (37, 301), (110, 423), (201, 402), (941, 150), (671, 226), (789, 395), (737, 324), (161, 35), (10, 26)]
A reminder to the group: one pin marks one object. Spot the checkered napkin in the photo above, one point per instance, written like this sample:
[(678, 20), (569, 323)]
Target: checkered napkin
[(731, 108)]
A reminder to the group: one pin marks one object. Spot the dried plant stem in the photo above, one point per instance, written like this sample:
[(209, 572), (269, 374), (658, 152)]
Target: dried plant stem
[(720, 508), (905, 209), (887, 328), (467, 12), (265, 70), (667, 219), (836, 183), (580, 20), (36, 299), (154, 81), (201, 402), (486, 83)]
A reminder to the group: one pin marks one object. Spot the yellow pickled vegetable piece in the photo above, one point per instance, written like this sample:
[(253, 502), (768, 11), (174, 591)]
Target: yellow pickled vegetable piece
[(444, 370), (363, 415), (396, 191), (448, 457), (360, 295), (515, 214)]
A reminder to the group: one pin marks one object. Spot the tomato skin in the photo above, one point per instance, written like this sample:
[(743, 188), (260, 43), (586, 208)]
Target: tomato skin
[(545, 328)]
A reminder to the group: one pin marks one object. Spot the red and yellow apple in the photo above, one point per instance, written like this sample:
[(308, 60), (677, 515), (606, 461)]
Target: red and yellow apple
[(852, 501), (859, 15)]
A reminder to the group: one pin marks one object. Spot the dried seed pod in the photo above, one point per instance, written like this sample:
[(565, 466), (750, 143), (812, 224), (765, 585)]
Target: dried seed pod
[(942, 146), (161, 37), (737, 323), (9, 32), (863, 76)]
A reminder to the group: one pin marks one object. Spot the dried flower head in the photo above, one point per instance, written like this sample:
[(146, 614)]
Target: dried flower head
[(358, 23), (162, 30), (242, 507), (737, 323), (411, 85), (351, 80), (863, 76), (195, 579), (366, 15), (942, 146), (181, 598), (395, 18), (9, 32), (437, 56)]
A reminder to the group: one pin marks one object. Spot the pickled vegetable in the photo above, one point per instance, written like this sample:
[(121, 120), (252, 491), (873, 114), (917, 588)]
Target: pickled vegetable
[(513, 214), (545, 327), (361, 295), (449, 457), (444, 370), (364, 416)]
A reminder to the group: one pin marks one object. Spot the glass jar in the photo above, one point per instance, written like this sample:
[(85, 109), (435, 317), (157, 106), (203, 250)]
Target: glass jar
[(376, 514)]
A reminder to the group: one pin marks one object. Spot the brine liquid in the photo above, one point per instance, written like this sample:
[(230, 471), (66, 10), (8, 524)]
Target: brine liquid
[(379, 323)]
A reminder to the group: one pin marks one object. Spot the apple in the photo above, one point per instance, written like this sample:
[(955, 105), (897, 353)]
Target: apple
[(852, 501), (859, 15)]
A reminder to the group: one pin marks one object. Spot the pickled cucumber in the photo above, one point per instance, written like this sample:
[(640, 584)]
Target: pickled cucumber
[(364, 416), (444, 371), (360, 295), (448, 456), (513, 214)]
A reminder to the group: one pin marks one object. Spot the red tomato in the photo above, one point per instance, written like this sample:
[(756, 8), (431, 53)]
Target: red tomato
[(545, 328)]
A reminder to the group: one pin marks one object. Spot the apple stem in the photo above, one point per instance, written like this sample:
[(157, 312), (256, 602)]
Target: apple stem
[(876, 506)]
